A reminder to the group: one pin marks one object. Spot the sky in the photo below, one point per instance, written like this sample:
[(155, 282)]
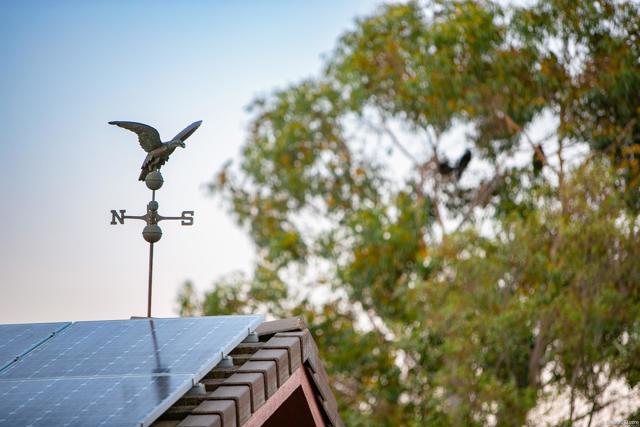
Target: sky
[(68, 68)]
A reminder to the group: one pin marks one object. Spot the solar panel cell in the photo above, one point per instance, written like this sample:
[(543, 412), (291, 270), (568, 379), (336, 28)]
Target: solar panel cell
[(17, 340)]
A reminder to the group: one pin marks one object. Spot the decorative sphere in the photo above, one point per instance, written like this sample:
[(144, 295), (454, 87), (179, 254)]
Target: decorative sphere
[(154, 180), (153, 206), (152, 233)]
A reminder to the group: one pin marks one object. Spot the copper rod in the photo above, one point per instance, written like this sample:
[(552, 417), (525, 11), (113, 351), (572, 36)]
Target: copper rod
[(150, 279)]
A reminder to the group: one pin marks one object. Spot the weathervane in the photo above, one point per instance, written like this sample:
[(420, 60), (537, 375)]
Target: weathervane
[(158, 155)]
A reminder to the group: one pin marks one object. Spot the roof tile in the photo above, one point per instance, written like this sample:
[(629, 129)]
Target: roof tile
[(200, 421), (280, 357), (241, 395), (291, 344), (255, 383), (268, 371), (226, 409)]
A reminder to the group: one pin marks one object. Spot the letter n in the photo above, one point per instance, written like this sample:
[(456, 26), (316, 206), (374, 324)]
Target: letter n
[(115, 217)]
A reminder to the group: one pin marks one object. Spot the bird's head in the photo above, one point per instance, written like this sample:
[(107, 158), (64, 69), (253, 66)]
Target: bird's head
[(177, 143)]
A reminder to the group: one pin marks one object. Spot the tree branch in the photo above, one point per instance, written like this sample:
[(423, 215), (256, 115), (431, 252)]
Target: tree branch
[(482, 196), (384, 128), (512, 125)]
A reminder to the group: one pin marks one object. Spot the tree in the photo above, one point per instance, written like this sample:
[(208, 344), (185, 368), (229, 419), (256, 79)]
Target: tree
[(464, 298), (187, 300)]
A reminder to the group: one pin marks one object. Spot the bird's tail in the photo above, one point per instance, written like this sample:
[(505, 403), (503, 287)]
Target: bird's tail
[(143, 175)]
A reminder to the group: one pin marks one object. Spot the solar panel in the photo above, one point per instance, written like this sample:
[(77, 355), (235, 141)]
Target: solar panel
[(127, 371), (93, 401), (17, 340), (136, 347)]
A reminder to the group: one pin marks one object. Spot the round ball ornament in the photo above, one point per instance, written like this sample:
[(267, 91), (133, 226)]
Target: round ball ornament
[(154, 180), (152, 233)]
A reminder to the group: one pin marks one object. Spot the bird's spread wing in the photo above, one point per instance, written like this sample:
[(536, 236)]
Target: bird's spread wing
[(148, 137), (186, 132)]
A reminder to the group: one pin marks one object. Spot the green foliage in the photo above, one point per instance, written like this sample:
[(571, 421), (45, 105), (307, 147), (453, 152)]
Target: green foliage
[(444, 301), (188, 302)]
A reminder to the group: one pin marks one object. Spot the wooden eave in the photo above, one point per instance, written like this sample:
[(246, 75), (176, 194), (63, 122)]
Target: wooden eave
[(275, 382)]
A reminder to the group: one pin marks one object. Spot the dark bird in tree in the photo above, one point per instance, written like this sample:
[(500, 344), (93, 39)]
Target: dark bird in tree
[(539, 159), (158, 151), (444, 167), (462, 163)]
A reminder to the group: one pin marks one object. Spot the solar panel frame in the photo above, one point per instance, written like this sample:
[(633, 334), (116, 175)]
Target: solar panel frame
[(213, 328)]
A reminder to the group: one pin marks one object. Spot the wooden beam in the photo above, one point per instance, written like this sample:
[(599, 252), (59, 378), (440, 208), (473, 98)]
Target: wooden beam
[(282, 325), (296, 383)]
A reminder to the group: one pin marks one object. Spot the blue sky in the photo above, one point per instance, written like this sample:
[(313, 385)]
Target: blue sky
[(67, 69)]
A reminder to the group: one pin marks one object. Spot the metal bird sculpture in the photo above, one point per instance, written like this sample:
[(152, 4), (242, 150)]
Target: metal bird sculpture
[(158, 151)]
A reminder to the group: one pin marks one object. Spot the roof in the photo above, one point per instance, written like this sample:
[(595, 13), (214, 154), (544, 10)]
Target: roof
[(272, 378), (226, 371)]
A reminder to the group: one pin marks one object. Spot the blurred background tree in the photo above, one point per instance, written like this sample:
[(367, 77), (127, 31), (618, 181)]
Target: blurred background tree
[(452, 204)]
